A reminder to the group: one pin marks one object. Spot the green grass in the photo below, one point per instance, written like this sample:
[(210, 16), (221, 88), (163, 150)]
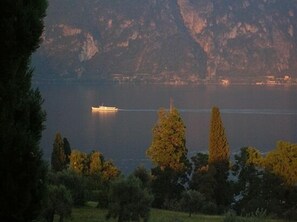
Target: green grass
[(90, 213)]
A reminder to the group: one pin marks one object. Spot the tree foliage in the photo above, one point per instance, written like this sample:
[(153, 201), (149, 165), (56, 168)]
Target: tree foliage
[(58, 158), (59, 202), (22, 170), (128, 201), (144, 176), (67, 151), (168, 148), (192, 201), (73, 182), (283, 162), (203, 180), (248, 184), (200, 161), (219, 154), (78, 162), (167, 186), (96, 161), (261, 183), (109, 171), (218, 145)]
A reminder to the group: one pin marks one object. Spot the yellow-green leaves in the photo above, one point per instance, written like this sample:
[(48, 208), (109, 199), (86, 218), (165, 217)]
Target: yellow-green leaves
[(218, 145), (168, 148), (282, 161)]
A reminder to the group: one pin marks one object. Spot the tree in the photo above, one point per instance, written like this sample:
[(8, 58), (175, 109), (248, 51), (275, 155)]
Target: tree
[(109, 171), (67, 151), (59, 202), (192, 201), (73, 182), (167, 186), (96, 161), (143, 175), (58, 159), (168, 148), (78, 162), (283, 162), (279, 177), (218, 145), (128, 201), (169, 153), (219, 154), (248, 183), (203, 180), (22, 170), (200, 160)]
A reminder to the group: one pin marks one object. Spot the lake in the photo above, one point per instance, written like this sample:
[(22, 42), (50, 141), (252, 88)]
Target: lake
[(255, 116)]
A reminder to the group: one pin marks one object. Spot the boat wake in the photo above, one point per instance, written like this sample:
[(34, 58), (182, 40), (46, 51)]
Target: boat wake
[(225, 111)]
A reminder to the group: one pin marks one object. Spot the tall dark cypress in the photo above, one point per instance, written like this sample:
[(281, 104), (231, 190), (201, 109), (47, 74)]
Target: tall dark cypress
[(219, 154), (22, 170), (58, 159)]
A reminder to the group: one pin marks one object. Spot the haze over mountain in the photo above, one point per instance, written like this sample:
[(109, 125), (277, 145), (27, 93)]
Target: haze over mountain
[(168, 39)]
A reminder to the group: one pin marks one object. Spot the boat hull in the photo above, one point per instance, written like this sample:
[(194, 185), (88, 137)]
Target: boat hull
[(105, 109)]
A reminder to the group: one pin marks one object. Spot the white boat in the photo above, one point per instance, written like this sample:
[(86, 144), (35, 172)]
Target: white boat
[(105, 109)]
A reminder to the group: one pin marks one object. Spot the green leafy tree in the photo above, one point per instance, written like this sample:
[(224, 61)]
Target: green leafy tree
[(58, 159), (167, 186), (144, 176), (247, 187), (59, 202), (128, 200), (168, 148), (192, 201), (219, 154), (22, 170), (203, 180), (73, 182), (200, 160)]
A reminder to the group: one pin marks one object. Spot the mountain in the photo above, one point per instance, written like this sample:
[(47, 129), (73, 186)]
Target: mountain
[(162, 40)]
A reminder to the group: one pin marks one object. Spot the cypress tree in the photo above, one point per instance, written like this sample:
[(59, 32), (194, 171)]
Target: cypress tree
[(219, 154), (58, 159), (218, 144), (67, 150), (22, 170)]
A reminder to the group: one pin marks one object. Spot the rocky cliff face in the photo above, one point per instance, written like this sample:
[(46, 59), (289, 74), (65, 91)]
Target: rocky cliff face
[(179, 39)]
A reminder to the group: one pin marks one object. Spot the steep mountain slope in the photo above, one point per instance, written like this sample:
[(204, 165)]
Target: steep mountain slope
[(158, 40)]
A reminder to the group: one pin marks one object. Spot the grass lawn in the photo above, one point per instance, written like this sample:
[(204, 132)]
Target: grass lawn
[(90, 213)]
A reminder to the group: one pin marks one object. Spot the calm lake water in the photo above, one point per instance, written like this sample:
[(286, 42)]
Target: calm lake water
[(256, 116)]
